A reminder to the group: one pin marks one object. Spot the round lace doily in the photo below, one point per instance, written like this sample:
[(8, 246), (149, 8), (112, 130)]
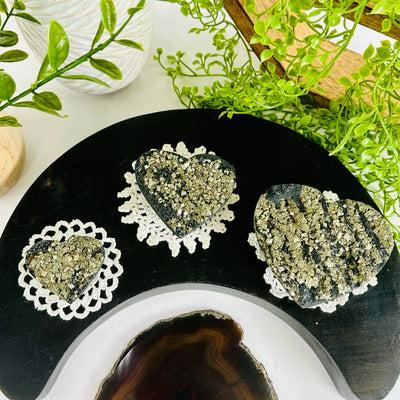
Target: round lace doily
[(278, 290), (100, 290), (150, 225)]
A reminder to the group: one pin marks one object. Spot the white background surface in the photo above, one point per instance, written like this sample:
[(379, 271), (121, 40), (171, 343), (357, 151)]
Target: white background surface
[(293, 367)]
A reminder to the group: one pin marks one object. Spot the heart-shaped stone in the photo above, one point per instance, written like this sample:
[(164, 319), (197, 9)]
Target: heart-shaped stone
[(318, 246), (66, 268), (184, 192)]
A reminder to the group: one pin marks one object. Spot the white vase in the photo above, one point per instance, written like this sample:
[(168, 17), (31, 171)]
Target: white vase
[(80, 20)]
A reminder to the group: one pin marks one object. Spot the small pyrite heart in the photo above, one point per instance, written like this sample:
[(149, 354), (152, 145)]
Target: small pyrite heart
[(184, 192), (66, 268)]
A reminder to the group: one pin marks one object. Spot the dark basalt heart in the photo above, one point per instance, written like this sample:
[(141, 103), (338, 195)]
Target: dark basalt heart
[(320, 247), (197, 356), (184, 192), (66, 268)]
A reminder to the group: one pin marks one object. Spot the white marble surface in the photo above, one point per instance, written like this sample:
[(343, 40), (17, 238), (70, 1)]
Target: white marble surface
[(283, 351)]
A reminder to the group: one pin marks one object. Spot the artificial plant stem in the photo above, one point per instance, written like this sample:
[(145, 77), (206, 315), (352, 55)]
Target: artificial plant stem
[(71, 65), (7, 18)]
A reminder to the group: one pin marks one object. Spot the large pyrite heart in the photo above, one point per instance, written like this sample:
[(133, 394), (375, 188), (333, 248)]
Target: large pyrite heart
[(184, 192), (320, 247), (66, 268)]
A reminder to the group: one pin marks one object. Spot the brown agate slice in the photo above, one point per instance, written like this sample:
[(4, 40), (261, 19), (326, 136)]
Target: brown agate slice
[(197, 356)]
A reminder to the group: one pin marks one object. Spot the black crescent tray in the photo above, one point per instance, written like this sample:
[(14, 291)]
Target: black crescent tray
[(358, 344)]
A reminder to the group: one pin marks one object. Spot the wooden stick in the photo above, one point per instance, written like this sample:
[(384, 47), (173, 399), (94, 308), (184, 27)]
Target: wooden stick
[(347, 63)]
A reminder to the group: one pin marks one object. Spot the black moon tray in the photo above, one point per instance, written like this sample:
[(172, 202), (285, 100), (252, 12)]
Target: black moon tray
[(358, 344)]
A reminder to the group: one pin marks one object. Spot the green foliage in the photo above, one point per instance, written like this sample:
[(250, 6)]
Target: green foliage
[(55, 64), (362, 129)]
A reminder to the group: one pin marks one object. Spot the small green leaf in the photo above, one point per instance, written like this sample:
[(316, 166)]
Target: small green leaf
[(305, 120), (7, 86), (19, 5), (130, 43), (108, 14), (27, 17), (9, 121), (383, 6), (86, 78), (98, 35), (384, 53), (58, 45), (250, 6), (13, 56), (107, 67), (361, 129), (8, 38), (45, 69), (3, 6), (369, 52), (132, 11), (37, 106), (48, 100), (386, 25), (266, 55), (364, 71), (259, 27), (344, 81)]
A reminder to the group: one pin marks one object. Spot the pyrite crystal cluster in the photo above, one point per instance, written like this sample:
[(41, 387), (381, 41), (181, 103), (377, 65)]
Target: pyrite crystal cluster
[(320, 247), (66, 268), (184, 192), (197, 356)]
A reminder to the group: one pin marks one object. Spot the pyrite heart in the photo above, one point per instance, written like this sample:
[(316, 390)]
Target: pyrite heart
[(66, 268), (184, 192), (318, 246)]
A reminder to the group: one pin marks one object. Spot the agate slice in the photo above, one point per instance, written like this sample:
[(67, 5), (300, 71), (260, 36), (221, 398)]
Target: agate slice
[(66, 268), (197, 356), (318, 246), (184, 192)]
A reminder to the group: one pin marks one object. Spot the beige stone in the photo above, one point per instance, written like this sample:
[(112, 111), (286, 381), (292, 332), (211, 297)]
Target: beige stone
[(12, 156)]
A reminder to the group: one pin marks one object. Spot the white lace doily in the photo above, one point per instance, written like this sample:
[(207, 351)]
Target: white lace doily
[(278, 290), (153, 229), (100, 290)]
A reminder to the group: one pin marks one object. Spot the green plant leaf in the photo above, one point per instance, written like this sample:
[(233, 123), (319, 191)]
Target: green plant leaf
[(27, 17), (48, 100), (98, 35), (369, 52), (250, 6), (130, 43), (45, 69), (384, 53), (8, 38), (86, 78), (132, 11), (8, 120), (383, 6), (108, 15), (107, 67), (344, 81), (58, 45), (3, 6), (37, 106), (13, 56), (7, 86), (19, 5), (266, 55), (386, 25)]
